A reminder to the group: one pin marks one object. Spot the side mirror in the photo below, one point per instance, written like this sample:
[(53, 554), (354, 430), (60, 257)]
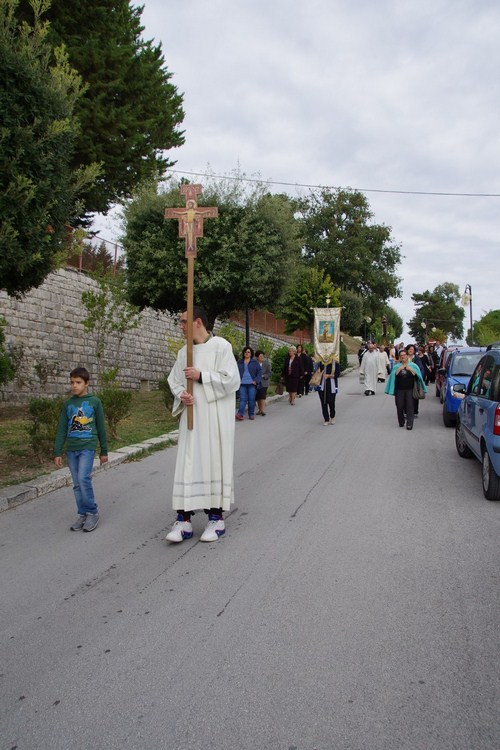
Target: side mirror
[(459, 388)]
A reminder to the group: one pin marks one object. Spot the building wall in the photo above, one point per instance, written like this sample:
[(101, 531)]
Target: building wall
[(45, 330)]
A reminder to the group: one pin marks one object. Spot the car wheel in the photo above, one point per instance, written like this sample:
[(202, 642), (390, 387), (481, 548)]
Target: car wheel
[(491, 481), (463, 449), (448, 419)]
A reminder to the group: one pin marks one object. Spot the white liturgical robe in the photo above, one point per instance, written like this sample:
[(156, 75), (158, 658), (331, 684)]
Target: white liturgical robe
[(369, 368), (204, 468)]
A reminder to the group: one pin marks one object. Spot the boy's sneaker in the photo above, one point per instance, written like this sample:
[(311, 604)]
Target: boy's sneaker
[(91, 521), (78, 524), (214, 529), (180, 530)]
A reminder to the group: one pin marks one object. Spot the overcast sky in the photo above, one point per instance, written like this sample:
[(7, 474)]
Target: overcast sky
[(380, 95)]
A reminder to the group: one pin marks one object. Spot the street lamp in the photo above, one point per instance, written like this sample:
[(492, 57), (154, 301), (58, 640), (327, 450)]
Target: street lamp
[(423, 324), (366, 320), (467, 300)]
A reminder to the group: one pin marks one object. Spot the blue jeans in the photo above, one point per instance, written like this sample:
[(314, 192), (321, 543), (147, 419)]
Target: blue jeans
[(80, 464), (247, 395)]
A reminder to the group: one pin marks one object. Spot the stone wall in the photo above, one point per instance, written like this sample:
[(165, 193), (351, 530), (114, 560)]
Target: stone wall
[(45, 332)]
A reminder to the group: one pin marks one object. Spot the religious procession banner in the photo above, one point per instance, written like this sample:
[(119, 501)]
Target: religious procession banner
[(327, 334)]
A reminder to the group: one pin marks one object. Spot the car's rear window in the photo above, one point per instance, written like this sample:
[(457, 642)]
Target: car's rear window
[(464, 364)]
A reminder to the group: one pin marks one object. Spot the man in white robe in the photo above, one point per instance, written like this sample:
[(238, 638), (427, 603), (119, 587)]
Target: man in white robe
[(204, 468), (368, 372)]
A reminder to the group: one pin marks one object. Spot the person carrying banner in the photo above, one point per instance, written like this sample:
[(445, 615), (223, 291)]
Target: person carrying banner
[(328, 389)]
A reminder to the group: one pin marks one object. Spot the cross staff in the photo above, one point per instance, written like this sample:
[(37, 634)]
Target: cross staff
[(191, 227)]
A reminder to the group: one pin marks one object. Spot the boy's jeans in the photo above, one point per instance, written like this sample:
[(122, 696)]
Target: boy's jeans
[(247, 395), (80, 464)]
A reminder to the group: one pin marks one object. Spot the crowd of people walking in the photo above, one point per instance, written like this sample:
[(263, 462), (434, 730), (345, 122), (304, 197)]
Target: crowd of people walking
[(405, 371), (298, 370)]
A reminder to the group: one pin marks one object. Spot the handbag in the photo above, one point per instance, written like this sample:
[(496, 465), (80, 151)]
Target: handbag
[(316, 377), (418, 389), (279, 388)]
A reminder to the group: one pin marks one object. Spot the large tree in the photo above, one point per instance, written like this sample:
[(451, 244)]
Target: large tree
[(38, 186), (310, 289), (130, 112), (487, 329), (439, 309), (357, 254), (244, 258)]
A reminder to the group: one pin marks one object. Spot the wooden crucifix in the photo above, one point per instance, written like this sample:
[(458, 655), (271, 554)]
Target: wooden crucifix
[(191, 227)]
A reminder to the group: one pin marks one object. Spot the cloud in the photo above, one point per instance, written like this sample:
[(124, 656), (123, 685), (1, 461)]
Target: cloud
[(392, 95)]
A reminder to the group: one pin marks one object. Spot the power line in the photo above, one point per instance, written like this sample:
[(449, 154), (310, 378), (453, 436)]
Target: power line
[(334, 187)]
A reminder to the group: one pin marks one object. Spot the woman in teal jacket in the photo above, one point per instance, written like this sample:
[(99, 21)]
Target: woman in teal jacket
[(400, 385)]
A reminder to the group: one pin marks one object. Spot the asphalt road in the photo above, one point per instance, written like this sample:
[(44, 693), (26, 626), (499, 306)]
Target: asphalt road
[(353, 603)]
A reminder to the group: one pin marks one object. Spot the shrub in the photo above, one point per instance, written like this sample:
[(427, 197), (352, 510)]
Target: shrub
[(277, 362), (116, 404), (266, 346), (168, 396), (235, 337), (343, 357), (44, 417), (7, 370)]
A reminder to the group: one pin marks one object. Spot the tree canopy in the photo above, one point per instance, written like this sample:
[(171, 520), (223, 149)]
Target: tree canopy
[(244, 259), (130, 112), (486, 329), (309, 289), (38, 186), (439, 309), (358, 255)]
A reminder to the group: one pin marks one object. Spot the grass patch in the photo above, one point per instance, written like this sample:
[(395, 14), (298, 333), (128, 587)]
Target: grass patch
[(148, 418)]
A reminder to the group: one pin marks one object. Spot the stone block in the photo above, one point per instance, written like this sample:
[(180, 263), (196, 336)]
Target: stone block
[(16, 495), (160, 440), (130, 450), (53, 481)]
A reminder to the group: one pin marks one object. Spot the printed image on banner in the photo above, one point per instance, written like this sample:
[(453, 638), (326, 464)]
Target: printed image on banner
[(327, 334)]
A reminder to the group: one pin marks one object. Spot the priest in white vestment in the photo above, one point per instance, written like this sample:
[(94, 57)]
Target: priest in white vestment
[(369, 369), (204, 469)]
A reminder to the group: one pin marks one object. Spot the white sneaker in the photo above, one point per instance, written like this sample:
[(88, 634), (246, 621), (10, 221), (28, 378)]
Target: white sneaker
[(214, 529), (180, 530), (332, 421), (325, 424)]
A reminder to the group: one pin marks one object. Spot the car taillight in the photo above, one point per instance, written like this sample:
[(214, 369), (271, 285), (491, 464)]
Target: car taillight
[(496, 421)]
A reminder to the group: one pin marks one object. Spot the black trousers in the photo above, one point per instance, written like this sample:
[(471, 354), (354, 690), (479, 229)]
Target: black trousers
[(404, 405), (327, 399)]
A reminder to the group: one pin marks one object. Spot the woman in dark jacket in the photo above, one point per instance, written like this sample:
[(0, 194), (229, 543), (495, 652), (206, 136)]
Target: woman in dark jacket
[(292, 371), (250, 374), (304, 361), (328, 389), (435, 362)]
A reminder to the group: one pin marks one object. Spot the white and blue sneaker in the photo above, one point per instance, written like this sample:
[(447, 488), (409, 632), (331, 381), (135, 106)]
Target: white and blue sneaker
[(180, 530), (214, 529)]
